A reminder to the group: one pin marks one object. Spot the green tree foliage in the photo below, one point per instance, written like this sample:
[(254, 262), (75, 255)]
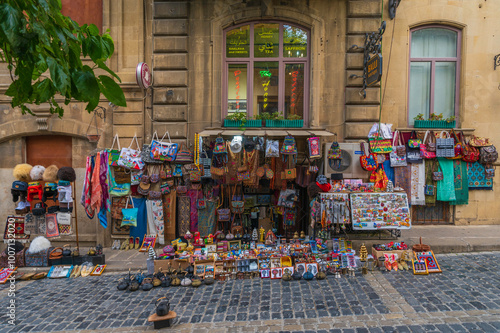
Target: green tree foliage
[(37, 40)]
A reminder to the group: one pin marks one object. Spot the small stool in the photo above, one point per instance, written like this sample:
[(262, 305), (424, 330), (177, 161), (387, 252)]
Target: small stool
[(162, 321)]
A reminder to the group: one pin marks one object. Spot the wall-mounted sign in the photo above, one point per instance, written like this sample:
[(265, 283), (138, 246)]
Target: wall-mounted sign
[(143, 75), (374, 69)]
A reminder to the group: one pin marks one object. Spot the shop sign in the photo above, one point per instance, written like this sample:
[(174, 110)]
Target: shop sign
[(143, 75), (374, 70)]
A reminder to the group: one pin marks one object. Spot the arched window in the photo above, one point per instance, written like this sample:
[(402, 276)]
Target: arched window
[(266, 69), (434, 71)]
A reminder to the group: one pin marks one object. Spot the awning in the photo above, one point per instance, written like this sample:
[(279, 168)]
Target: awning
[(271, 132)]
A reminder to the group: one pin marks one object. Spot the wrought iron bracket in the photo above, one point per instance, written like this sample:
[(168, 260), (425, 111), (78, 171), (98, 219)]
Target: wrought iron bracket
[(497, 62), (372, 46), (393, 5)]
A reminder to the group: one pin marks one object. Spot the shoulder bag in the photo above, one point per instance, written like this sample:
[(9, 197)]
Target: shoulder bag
[(396, 159), (113, 154), (184, 155), (470, 154), (368, 163), (444, 145), (129, 214), (457, 147), (131, 158), (424, 152)]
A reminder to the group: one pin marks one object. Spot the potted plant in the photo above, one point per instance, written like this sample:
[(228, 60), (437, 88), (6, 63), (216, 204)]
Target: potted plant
[(435, 121), (278, 120), (239, 119)]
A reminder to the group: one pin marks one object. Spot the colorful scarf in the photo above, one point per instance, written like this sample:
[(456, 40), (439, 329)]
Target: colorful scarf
[(85, 200), (446, 187), (206, 219), (103, 179), (418, 184), (183, 220), (169, 208), (96, 194), (402, 177), (194, 195), (476, 177), (430, 166), (461, 183)]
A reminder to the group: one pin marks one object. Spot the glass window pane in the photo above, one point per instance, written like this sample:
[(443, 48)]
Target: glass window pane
[(237, 88), (265, 87), (444, 89), (294, 42), (266, 40), (420, 82), (434, 43), (238, 42), (294, 90)]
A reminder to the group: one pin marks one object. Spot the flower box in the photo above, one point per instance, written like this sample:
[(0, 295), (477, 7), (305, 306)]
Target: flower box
[(238, 123), (434, 124), (285, 123)]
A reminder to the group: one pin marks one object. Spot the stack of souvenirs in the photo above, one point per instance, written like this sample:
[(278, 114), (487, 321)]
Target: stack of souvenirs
[(224, 188)]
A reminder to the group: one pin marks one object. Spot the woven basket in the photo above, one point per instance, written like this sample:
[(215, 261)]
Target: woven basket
[(421, 247)]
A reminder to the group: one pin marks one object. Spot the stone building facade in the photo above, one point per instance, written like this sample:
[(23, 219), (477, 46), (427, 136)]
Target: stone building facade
[(184, 44)]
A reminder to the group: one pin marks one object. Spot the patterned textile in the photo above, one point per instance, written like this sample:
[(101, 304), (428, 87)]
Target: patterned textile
[(418, 184), (461, 183), (116, 225), (206, 219), (430, 166), (169, 208), (446, 187), (389, 171), (252, 163), (183, 221), (52, 229), (475, 175), (42, 226), (16, 226), (402, 177), (155, 219), (96, 189), (193, 195), (30, 224), (103, 179), (234, 161)]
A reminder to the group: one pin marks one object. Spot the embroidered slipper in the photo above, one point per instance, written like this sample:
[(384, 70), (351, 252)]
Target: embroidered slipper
[(131, 243), (124, 245), (137, 243)]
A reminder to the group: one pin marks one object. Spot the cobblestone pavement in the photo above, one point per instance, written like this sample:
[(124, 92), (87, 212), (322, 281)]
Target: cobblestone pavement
[(464, 298)]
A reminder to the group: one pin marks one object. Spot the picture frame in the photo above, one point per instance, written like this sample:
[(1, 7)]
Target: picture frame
[(419, 267), (98, 270), (233, 103), (264, 273), (234, 245), (300, 267), (199, 270), (253, 265), (312, 267), (275, 263), (288, 269), (276, 273), (252, 245), (212, 248), (147, 241), (430, 261)]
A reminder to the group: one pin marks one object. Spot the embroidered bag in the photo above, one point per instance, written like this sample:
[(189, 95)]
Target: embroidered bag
[(165, 188), (223, 214), (272, 148), (289, 147), (488, 155), (457, 147), (241, 176), (129, 214), (289, 174), (444, 146), (424, 152), (395, 158), (470, 153), (413, 142), (184, 155), (195, 175), (368, 163), (479, 142), (413, 153), (201, 203), (237, 202), (154, 195), (113, 154), (437, 175), (314, 147), (177, 171), (429, 190), (489, 172), (379, 144), (335, 153), (131, 158), (163, 151)]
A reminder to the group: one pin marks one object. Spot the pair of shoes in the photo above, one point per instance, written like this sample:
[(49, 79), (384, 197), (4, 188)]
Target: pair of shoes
[(124, 246), (137, 243), (131, 243), (116, 245), (134, 244)]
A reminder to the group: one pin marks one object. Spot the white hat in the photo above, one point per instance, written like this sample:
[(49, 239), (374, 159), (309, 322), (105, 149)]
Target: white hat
[(236, 144)]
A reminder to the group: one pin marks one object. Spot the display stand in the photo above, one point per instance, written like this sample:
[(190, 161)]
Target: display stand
[(380, 210)]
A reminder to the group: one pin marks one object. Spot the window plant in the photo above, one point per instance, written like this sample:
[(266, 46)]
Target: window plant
[(436, 120)]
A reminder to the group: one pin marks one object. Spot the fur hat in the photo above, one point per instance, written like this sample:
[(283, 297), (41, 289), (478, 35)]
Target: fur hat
[(66, 173), (50, 173), (22, 172), (39, 244), (37, 172)]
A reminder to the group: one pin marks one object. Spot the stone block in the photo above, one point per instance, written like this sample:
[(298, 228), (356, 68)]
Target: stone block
[(127, 118), (357, 130), (357, 81), (364, 8), (177, 130), (361, 113), (170, 96), (171, 78), (170, 113), (170, 27), (171, 9), (128, 131), (358, 40), (171, 61), (353, 95), (171, 44), (354, 60), (362, 25)]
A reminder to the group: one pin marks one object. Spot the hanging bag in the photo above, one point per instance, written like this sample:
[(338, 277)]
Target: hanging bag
[(129, 214), (368, 163), (457, 147), (444, 145), (272, 148), (131, 158), (437, 175), (479, 142), (195, 174), (424, 152), (121, 175), (163, 151), (413, 142), (114, 154), (184, 155), (395, 158), (314, 145), (289, 147), (205, 163), (470, 154), (379, 144), (237, 202), (146, 154), (413, 150)]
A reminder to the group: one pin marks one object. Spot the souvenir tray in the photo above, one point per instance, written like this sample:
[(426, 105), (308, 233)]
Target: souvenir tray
[(373, 211), (57, 272)]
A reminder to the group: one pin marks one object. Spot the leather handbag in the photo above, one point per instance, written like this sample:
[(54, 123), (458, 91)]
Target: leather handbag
[(184, 155), (163, 151), (368, 163), (424, 152)]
